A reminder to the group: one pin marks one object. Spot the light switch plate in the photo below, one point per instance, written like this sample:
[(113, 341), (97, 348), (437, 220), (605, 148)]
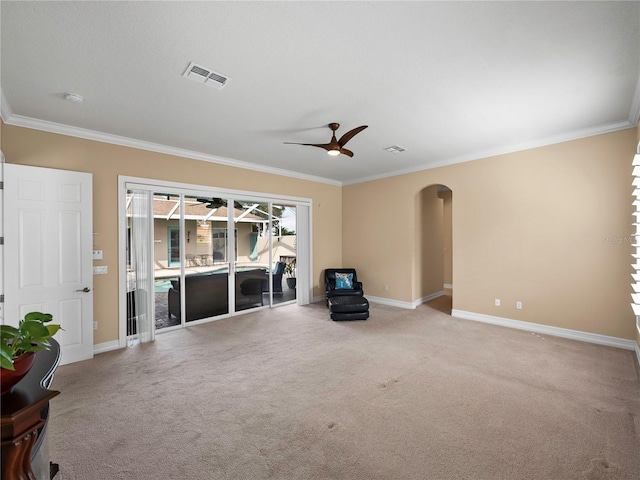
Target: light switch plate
[(97, 254), (100, 270)]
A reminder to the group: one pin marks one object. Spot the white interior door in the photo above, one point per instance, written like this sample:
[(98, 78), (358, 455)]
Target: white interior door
[(48, 252)]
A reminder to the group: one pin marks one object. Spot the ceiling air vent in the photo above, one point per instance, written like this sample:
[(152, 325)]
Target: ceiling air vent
[(205, 75), (395, 149)]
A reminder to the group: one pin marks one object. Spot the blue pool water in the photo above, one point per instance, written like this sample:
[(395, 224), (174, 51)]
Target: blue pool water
[(162, 285)]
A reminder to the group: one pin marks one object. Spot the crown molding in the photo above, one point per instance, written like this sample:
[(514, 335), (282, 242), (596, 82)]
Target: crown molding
[(52, 127), (10, 118), (543, 142), (5, 108)]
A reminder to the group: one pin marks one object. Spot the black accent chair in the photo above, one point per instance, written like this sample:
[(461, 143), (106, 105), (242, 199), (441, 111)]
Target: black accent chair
[(330, 284)]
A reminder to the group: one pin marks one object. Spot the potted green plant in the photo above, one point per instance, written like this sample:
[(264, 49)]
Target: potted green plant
[(19, 344), (290, 272)]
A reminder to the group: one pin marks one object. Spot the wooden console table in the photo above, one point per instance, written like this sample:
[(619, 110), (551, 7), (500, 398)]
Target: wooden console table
[(25, 412)]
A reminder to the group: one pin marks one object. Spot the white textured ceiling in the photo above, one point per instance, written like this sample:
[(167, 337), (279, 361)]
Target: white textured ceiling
[(448, 81)]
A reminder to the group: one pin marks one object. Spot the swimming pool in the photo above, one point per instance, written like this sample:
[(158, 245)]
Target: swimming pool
[(162, 285)]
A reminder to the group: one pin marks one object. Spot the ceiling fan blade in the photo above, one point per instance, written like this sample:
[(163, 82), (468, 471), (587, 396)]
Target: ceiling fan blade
[(346, 152), (326, 146), (335, 145), (350, 134)]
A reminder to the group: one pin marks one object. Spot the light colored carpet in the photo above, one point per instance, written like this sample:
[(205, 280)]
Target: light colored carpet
[(408, 394)]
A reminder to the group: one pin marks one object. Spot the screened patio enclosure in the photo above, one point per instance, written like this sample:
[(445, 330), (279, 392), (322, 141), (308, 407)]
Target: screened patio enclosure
[(204, 257)]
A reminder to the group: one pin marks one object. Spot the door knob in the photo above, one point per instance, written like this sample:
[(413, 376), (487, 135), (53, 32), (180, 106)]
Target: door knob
[(85, 290)]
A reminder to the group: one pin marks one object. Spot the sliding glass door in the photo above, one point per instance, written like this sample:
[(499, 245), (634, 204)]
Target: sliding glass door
[(167, 258), (265, 266), (284, 251), (250, 269), (212, 256)]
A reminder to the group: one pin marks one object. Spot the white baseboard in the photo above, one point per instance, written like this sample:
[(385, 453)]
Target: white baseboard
[(395, 303), (390, 302), (381, 300), (428, 298), (549, 330), (106, 347), (638, 353), (408, 305), (448, 285)]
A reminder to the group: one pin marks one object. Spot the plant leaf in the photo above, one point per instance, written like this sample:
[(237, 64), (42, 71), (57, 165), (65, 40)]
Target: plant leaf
[(35, 347), (7, 331), (39, 316), (23, 344), (6, 363), (53, 329), (5, 353), (34, 328)]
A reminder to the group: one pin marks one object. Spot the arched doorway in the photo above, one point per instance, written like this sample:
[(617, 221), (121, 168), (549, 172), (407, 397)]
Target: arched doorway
[(433, 276)]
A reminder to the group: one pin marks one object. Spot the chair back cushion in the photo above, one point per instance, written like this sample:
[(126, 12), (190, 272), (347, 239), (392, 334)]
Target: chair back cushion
[(330, 274), (344, 281)]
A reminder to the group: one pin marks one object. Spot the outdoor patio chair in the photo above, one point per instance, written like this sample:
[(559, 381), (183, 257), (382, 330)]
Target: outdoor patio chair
[(277, 277)]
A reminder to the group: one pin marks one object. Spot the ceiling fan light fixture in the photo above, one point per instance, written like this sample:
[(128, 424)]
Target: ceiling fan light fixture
[(333, 153)]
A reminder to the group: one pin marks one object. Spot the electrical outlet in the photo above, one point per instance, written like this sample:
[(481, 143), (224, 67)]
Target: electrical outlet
[(386, 287), (97, 254), (95, 325), (519, 305), (497, 302)]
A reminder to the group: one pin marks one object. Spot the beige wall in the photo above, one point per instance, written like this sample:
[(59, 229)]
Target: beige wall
[(538, 226), (428, 267), (106, 162)]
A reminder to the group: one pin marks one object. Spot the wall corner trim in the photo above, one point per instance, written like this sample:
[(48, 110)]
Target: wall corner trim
[(549, 330), (638, 354)]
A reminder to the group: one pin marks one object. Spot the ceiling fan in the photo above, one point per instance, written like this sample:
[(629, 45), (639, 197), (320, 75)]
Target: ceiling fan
[(335, 147)]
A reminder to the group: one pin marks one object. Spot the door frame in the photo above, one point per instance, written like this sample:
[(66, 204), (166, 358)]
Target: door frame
[(171, 229), (304, 229)]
